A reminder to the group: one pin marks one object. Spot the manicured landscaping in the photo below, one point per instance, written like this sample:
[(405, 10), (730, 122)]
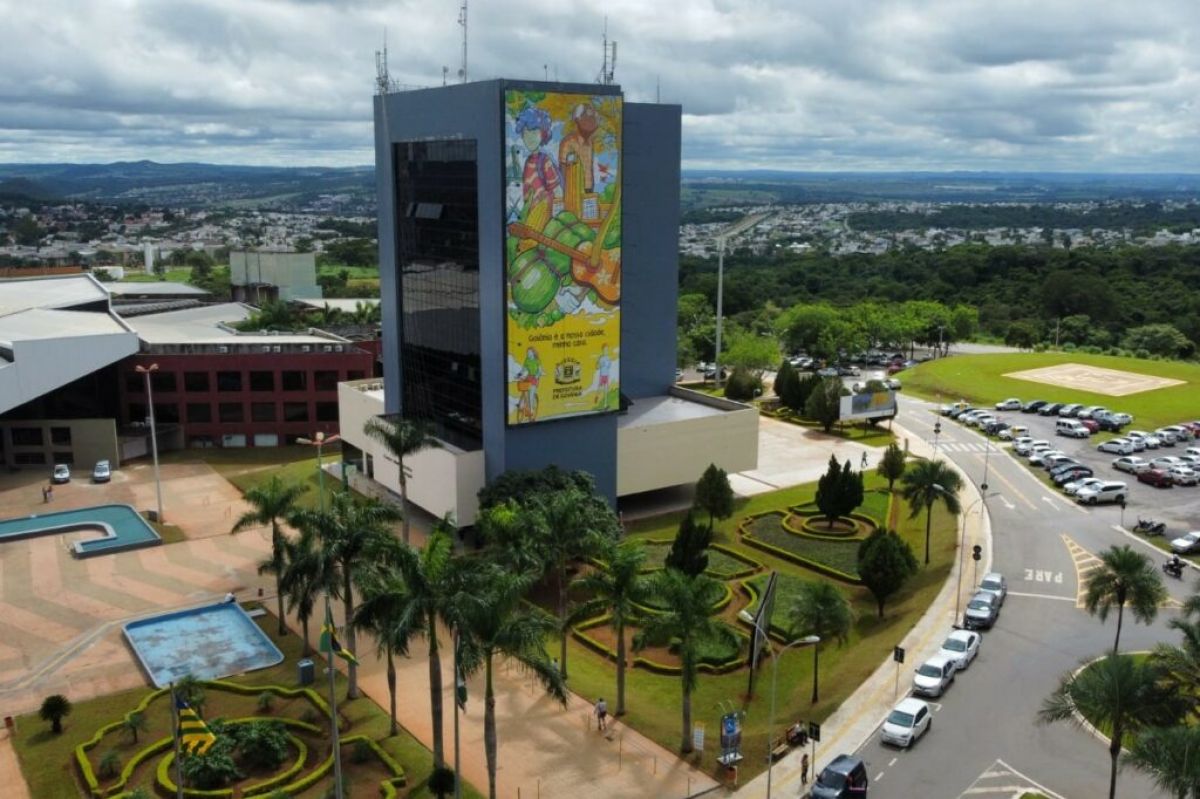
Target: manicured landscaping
[(839, 555), (252, 466), (54, 765), (979, 379), (723, 563)]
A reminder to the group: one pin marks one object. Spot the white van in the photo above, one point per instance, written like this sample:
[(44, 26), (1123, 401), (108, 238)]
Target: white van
[(1071, 428)]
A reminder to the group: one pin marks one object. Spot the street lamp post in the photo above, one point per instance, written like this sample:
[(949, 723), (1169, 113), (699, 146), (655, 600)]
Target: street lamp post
[(145, 371), (937, 431), (320, 440), (720, 307), (962, 542)]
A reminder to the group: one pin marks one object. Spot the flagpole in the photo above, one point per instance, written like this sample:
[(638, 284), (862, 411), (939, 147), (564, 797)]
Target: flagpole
[(457, 707), (337, 751), (178, 754)]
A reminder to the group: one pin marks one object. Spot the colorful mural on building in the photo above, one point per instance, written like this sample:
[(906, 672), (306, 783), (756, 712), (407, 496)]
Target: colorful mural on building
[(563, 254)]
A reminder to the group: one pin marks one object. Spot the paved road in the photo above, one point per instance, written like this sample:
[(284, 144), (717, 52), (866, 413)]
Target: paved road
[(984, 741)]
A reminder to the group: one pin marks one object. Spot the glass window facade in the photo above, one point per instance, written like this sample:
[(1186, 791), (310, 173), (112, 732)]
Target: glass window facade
[(437, 247)]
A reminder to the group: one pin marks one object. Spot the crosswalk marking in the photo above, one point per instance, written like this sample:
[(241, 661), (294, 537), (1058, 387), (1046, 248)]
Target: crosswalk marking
[(1002, 781), (965, 446)]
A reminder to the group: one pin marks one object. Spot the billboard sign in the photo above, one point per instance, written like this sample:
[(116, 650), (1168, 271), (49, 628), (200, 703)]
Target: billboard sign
[(562, 254), (868, 405)]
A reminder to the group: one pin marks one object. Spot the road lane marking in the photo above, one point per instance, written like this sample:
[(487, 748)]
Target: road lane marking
[(1041, 596), (1007, 504), (893, 762), (878, 776), (1085, 563), (1071, 505), (1014, 489)]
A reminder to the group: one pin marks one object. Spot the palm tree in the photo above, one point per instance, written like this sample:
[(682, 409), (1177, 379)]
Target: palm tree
[(686, 623), (343, 535), (499, 623), (925, 484), (1171, 756), (617, 589), (822, 610), (1117, 694), (402, 438), (191, 690), (271, 503), (1124, 577), (134, 723), (303, 580), (55, 708), (417, 590), (383, 597), (1181, 664)]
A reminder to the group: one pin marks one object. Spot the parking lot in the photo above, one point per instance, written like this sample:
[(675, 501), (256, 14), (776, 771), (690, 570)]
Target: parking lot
[(1178, 506)]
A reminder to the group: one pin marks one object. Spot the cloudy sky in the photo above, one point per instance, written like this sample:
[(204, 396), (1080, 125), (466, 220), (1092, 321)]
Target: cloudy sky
[(1062, 85)]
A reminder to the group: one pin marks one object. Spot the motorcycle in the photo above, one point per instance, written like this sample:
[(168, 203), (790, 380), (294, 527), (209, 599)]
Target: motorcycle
[(1173, 568), (1149, 527)]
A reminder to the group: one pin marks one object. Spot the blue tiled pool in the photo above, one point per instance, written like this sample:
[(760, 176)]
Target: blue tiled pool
[(209, 642), (120, 527)]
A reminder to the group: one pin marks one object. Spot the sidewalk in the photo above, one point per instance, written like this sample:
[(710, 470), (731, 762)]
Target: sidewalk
[(10, 771), (854, 721)]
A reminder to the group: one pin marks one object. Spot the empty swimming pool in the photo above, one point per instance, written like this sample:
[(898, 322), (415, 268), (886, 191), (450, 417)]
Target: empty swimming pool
[(208, 642), (120, 527)]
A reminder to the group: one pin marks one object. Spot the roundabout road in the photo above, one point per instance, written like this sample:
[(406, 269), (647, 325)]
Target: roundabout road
[(984, 741)]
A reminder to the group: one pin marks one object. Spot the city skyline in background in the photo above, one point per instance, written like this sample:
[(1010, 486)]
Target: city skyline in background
[(841, 86)]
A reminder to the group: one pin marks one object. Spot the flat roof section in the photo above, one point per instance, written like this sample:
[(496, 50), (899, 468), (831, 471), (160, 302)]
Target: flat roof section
[(155, 289), (338, 304), (51, 291), (203, 326), (665, 409), (39, 323)]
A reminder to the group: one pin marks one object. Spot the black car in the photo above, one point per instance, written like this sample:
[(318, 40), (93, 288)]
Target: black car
[(1072, 474), (994, 428), (1108, 424), (1033, 406), (844, 778), (1061, 467), (957, 412), (1050, 409)]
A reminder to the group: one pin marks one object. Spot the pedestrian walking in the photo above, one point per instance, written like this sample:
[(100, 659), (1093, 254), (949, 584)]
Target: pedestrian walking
[(864, 460), (49, 493), (601, 714), (45, 496), (804, 769)]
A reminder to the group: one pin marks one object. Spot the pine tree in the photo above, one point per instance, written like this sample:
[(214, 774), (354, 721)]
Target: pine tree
[(714, 494), (689, 550)]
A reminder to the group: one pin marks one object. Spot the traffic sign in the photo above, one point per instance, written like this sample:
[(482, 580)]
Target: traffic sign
[(898, 654), (814, 731)]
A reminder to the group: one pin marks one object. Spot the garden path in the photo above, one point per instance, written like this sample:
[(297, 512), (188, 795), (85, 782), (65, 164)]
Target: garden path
[(10, 771)]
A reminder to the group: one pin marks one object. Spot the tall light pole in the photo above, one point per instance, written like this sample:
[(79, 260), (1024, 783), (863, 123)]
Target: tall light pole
[(145, 371), (320, 440), (962, 543), (720, 306)]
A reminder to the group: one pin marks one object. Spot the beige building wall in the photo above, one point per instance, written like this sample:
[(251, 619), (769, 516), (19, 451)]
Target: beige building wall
[(91, 440), (677, 452)]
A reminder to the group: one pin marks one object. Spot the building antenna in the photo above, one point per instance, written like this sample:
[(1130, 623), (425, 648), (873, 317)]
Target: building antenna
[(462, 20), (657, 89), (383, 79), (610, 63)]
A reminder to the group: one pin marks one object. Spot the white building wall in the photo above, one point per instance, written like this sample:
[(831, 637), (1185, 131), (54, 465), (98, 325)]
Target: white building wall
[(674, 453)]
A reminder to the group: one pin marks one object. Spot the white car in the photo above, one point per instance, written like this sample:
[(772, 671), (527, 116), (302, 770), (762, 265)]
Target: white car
[(1192, 451), (1187, 543), (995, 584), (1026, 447), (1090, 411), (1180, 432), (1118, 446), (61, 473), (1148, 441), (1166, 462), (1191, 461), (1166, 437), (1131, 464), (962, 646), (1120, 418), (1044, 457), (1088, 482), (1010, 404), (907, 722), (1183, 476), (1114, 491), (982, 420), (934, 676), (1015, 433)]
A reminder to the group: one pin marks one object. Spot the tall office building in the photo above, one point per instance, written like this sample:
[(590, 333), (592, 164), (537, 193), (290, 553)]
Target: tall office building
[(528, 237)]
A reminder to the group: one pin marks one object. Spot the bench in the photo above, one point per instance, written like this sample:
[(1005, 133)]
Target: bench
[(779, 748)]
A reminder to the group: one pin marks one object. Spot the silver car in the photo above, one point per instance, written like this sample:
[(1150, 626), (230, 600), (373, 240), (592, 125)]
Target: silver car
[(962, 646), (934, 676), (994, 583), (981, 611)]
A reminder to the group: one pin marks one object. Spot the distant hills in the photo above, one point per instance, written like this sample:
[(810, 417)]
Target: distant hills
[(202, 185)]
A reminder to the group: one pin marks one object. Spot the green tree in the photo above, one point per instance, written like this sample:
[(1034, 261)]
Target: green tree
[(753, 353), (191, 690), (134, 723), (824, 403), (689, 550), (1118, 694), (262, 745), (742, 384), (303, 580), (805, 388), (820, 609), (54, 709), (697, 327), (1169, 756), (441, 782), (343, 535), (1023, 334), (1180, 663), (885, 562), (839, 490), (26, 231), (783, 374), (402, 438), (110, 765), (1158, 339), (270, 504), (926, 484), (801, 325), (686, 622), (500, 624), (1124, 577), (892, 465), (616, 589), (714, 494)]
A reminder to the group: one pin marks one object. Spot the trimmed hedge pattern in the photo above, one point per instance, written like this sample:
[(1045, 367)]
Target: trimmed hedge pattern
[(707, 666), (750, 539)]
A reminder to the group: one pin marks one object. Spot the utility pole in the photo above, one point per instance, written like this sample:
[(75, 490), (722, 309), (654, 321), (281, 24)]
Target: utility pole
[(462, 20)]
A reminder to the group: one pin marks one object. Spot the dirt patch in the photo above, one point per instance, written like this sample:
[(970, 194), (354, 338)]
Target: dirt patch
[(1095, 379)]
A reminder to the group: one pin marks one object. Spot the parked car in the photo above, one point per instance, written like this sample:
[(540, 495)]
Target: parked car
[(1166, 462), (1052, 462), (61, 473), (1156, 477), (962, 646), (1076, 486), (101, 472), (1038, 445), (934, 676), (981, 611), (994, 583), (892, 383), (1148, 441), (844, 778), (1013, 432), (1109, 491), (1091, 424), (1069, 409), (1050, 409), (907, 722), (958, 412), (1090, 411), (1010, 404), (1183, 475), (1033, 406), (845, 370), (1040, 458), (1192, 451), (1181, 432), (1072, 428), (1117, 446), (1131, 463), (1109, 424), (1187, 543), (1071, 474), (1120, 418)]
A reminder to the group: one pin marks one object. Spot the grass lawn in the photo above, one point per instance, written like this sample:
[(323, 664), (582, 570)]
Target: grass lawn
[(367, 272), (980, 379), (721, 565), (251, 466), (838, 554), (174, 275), (653, 701), (48, 760)]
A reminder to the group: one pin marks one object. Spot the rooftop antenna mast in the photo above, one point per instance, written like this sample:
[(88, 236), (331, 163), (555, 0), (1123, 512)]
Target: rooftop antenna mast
[(462, 20), (383, 79), (610, 62)]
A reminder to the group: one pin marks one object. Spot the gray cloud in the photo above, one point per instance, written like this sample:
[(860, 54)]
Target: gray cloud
[(823, 84)]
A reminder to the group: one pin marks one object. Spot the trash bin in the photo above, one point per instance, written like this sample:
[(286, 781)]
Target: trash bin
[(307, 673)]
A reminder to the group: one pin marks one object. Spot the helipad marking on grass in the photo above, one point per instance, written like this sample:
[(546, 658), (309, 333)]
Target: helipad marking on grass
[(1095, 379)]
